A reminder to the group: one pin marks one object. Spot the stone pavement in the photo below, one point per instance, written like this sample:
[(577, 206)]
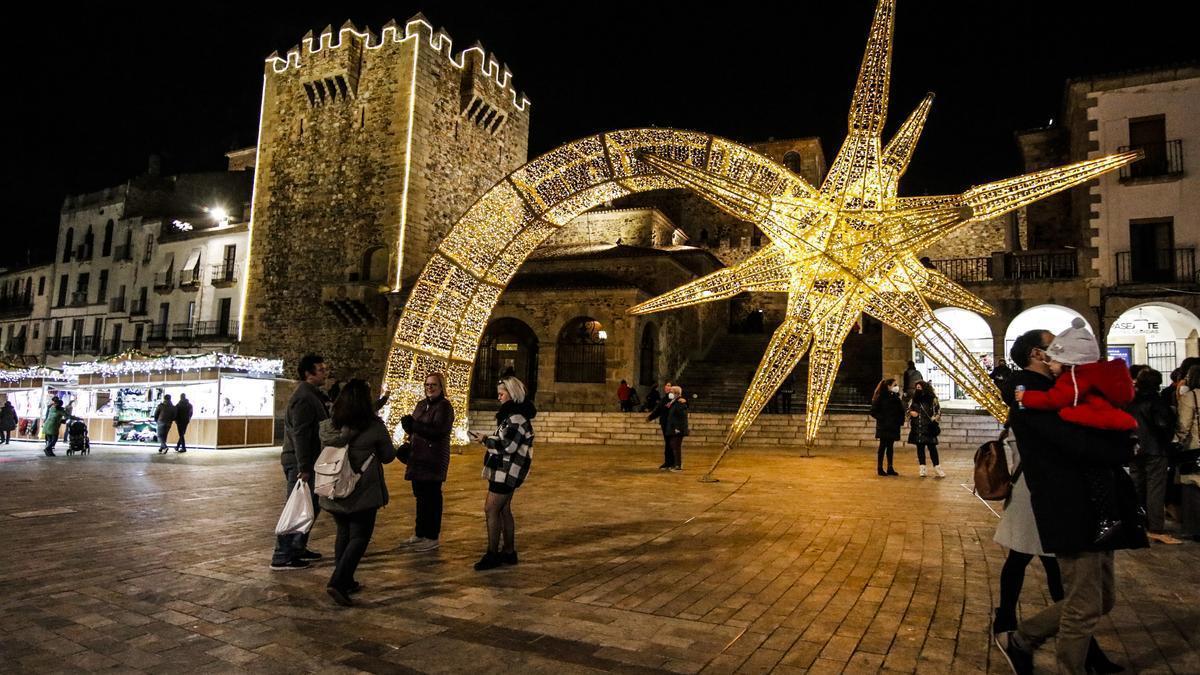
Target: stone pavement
[(129, 561)]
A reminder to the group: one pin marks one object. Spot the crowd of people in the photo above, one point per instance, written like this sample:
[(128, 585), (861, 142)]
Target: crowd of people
[(314, 421)]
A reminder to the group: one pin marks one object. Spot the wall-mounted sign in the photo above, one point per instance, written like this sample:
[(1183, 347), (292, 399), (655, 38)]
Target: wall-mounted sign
[(506, 347), (1124, 352)]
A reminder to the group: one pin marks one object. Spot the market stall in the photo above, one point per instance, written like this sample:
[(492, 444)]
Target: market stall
[(28, 389), (233, 397)]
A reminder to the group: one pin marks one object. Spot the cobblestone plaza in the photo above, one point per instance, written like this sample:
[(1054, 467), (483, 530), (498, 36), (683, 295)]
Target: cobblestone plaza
[(129, 561)]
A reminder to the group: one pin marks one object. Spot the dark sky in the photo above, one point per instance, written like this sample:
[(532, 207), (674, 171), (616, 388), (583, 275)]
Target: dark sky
[(93, 91)]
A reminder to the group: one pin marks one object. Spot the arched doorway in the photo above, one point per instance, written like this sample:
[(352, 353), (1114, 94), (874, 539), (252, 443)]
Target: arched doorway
[(973, 331), (1054, 318), (1157, 334), (508, 345), (580, 351), (647, 356)]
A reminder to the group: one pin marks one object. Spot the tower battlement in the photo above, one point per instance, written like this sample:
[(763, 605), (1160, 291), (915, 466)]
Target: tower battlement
[(474, 59)]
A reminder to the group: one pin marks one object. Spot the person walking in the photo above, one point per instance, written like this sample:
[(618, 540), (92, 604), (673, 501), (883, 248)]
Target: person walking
[(676, 426), (506, 461), (910, 378), (1188, 436), (183, 417), (1056, 458), (8, 422), (1156, 430), (924, 425), (888, 412), (428, 460), (301, 447), (354, 423), (660, 413), (164, 417), (50, 424)]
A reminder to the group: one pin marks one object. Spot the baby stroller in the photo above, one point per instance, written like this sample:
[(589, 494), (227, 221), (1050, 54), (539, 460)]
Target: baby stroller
[(77, 437)]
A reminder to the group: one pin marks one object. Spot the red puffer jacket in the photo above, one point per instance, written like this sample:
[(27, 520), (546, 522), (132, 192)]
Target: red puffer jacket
[(1091, 395)]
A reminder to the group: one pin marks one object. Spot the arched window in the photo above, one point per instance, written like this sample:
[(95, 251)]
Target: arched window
[(28, 290), (647, 355), (704, 237), (68, 244), (106, 247), (755, 237), (508, 345), (375, 264), (89, 243), (792, 161), (580, 356)]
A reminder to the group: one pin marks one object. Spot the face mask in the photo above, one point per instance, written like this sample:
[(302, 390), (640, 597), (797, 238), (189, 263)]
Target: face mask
[(895, 388), (671, 395)]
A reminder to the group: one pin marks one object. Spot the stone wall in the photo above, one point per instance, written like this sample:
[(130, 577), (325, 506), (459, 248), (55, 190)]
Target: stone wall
[(643, 226), (976, 240), (335, 179), (960, 431)]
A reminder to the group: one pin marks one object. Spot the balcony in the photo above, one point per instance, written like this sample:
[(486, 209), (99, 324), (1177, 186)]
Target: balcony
[(116, 304), (157, 332), (224, 275), (88, 344), (216, 330), (1162, 266), (127, 345), (189, 280), (15, 345), (965, 270), (183, 332), (1042, 265), (137, 308), (123, 253), (1162, 160), (164, 281), (11, 308), (79, 298)]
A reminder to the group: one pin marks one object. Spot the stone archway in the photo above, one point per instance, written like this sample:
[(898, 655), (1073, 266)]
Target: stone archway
[(453, 298)]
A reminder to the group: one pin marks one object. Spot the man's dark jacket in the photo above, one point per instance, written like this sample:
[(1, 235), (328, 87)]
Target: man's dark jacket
[(301, 434), (1054, 457), (183, 413)]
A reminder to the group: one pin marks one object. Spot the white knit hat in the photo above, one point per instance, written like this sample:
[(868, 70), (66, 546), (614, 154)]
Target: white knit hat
[(1075, 345)]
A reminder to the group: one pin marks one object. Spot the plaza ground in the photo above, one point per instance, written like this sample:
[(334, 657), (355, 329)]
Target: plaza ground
[(130, 561)]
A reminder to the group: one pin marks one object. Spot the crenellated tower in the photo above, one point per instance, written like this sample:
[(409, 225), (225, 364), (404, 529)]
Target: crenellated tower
[(370, 148)]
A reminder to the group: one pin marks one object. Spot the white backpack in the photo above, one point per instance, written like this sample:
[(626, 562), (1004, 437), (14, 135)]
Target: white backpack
[(334, 477)]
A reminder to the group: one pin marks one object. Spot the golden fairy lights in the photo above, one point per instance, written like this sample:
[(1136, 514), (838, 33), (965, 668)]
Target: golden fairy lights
[(838, 251)]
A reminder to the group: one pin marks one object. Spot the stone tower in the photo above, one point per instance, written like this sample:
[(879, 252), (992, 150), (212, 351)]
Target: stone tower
[(370, 148)]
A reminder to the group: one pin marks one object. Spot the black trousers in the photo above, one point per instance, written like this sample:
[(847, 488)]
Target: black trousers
[(668, 454), (675, 447), (932, 453), (181, 443), (1012, 578), (5, 436), (885, 447), (354, 532), (429, 508)]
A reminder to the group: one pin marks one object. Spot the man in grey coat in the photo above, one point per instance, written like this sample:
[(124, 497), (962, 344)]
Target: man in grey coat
[(301, 447)]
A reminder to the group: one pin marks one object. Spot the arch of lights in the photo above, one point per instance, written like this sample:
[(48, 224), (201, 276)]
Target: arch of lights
[(839, 250)]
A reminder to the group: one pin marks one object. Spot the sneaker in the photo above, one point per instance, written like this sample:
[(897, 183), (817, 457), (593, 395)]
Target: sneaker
[(308, 555), (508, 557), (676, 468), (425, 545), (938, 471), (293, 564), (922, 471), (411, 541), (664, 467), (181, 450), (1020, 660), (339, 596), (489, 561)]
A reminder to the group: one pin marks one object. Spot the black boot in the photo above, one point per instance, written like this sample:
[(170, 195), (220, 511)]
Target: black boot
[(1097, 661)]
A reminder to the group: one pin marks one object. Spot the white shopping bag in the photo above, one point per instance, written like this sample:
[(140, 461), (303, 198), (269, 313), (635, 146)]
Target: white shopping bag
[(298, 514)]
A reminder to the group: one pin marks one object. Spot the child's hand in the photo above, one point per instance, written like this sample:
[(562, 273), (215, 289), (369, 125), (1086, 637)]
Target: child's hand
[(913, 413), (1019, 394)]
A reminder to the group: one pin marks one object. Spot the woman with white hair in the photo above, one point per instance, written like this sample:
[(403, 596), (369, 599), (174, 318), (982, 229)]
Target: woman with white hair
[(676, 425), (509, 452)]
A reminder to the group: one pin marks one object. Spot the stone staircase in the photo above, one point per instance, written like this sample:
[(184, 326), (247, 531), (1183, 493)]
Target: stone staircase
[(960, 431), (718, 382)]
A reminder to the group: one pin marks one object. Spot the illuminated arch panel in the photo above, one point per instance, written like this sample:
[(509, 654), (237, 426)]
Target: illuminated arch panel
[(451, 302)]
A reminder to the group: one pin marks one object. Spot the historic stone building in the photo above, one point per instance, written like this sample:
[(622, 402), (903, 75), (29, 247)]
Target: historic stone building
[(370, 148)]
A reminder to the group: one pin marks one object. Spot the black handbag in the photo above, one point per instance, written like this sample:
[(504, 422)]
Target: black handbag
[(934, 428)]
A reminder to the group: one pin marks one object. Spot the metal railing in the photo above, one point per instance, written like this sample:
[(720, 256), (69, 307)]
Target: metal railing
[(15, 345), (965, 269), (15, 306), (164, 279), (126, 345), (190, 279), (158, 332), (182, 331), (224, 274), (116, 304), (216, 329), (88, 343), (79, 298), (1161, 160), (137, 308), (1046, 265), (579, 363), (1160, 266), (122, 253)]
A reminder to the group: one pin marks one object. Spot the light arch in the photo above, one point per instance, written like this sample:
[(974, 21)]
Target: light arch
[(450, 303)]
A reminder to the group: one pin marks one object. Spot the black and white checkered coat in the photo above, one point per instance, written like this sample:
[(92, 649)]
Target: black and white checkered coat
[(510, 450)]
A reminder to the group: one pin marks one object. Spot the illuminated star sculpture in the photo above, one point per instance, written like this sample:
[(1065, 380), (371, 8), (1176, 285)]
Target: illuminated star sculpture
[(851, 247)]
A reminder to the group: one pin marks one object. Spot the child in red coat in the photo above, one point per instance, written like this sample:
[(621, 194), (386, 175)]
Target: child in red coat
[(1091, 393)]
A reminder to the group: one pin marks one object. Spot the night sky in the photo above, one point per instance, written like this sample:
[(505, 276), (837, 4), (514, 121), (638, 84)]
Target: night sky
[(93, 92)]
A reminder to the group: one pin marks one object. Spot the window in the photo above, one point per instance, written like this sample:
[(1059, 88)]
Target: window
[(792, 161), (191, 313), (1152, 255), (704, 237), (36, 330), (81, 283), (149, 249), (509, 346), (116, 338), (102, 291), (97, 332), (68, 244), (580, 355), (375, 264), (647, 354), (1149, 134), (62, 291), (106, 247), (89, 243), (224, 312), (41, 286)]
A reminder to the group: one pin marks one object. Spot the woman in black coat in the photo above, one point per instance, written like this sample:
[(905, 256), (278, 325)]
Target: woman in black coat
[(888, 411)]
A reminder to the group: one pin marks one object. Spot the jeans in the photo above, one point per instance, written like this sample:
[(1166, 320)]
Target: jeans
[(287, 546), (932, 453), (162, 430), (429, 507), (1090, 594), (353, 534), (1150, 478), (181, 443), (5, 436), (51, 441)]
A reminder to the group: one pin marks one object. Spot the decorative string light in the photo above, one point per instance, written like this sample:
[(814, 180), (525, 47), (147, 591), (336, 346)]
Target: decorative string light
[(11, 374), (135, 362), (838, 251)]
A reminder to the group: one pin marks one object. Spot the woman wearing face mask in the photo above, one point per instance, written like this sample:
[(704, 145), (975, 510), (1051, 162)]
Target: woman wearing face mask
[(676, 426), (888, 412), (924, 421)]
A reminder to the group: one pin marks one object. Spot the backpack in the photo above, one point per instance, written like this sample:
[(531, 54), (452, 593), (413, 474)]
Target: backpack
[(992, 479), (333, 477)]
